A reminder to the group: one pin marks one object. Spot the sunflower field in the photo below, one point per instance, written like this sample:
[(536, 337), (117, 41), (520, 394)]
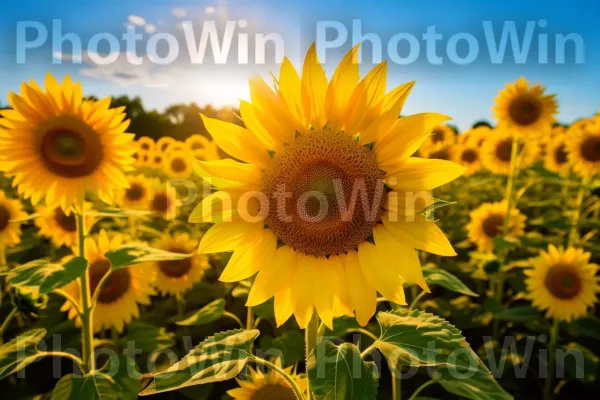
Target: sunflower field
[(316, 244)]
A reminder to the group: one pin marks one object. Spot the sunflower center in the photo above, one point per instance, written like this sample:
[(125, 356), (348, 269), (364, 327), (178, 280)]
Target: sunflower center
[(71, 154), (160, 202), (4, 218), (66, 222), (274, 392), (590, 149), (196, 146), (175, 268), (504, 150), (560, 155), (443, 154), (563, 282), (325, 192), (525, 110), (469, 156), (114, 287), (437, 135), (493, 225), (178, 165), (135, 192)]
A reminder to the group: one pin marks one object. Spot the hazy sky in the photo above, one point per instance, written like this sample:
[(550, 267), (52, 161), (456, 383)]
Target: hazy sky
[(458, 71)]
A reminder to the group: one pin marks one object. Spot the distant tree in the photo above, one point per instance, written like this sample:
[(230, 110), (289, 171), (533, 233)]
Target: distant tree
[(454, 128), (482, 122)]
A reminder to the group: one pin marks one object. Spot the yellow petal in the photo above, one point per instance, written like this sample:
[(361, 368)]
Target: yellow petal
[(419, 233), (314, 82), (323, 287), (302, 293), (420, 174), (271, 112), (248, 114), (399, 256), (362, 294), (273, 276), (283, 305), (384, 278), (232, 170), (290, 90), (249, 259), (340, 89), (367, 99), (227, 236)]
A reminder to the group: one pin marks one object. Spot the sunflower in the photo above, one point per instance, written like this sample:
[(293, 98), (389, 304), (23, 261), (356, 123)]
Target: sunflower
[(497, 148), (177, 276), (164, 143), (58, 226), (556, 157), (439, 151), (307, 146), (584, 151), (487, 223), (178, 164), (467, 156), (143, 159), (156, 160), (146, 144), (163, 200), (121, 292), (58, 147), (441, 134), (524, 110), (10, 232), (475, 136), (138, 195), (563, 282), (269, 386)]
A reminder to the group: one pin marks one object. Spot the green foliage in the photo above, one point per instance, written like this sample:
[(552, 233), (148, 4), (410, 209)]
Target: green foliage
[(44, 276), (20, 352), (207, 314), (129, 255), (443, 278)]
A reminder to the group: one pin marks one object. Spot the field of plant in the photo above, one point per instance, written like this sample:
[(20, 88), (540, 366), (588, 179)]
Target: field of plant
[(315, 244)]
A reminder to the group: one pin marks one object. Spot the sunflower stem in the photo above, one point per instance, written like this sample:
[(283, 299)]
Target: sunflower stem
[(311, 334), (574, 232), (87, 327), (3, 262), (551, 371), (280, 371), (396, 385), (6, 322), (416, 300), (249, 318), (421, 388)]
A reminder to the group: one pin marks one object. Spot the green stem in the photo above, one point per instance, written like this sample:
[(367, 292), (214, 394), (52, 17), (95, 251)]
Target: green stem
[(284, 375), (367, 351), (234, 317), (396, 386), (416, 300), (70, 356), (6, 322), (249, 318), (311, 334), (87, 324), (574, 233), (421, 388), (551, 371), (3, 262)]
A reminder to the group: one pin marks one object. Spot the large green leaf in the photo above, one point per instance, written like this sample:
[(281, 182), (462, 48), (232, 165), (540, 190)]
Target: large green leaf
[(20, 352), (443, 278), (218, 358), (146, 337), (45, 275), (339, 372), (476, 387), (289, 347), (67, 388), (128, 377), (207, 314), (99, 386), (128, 255)]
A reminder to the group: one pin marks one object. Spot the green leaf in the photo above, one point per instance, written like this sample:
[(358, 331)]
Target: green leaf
[(128, 377), (443, 278), (501, 244), (289, 346), (20, 352), (146, 337), (539, 169), (218, 358), (419, 339), (339, 372), (117, 212), (67, 388), (45, 275), (207, 314), (588, 327), (99, 386), (128, 255), (477, 387), (579, 362), (518, 314)]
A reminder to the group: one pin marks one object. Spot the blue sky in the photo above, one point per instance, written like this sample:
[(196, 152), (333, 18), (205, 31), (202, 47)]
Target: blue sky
[(465, 92)]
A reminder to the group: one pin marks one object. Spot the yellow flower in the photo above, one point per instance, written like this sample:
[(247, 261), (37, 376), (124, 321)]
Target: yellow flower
[(177, 276), (468, 157), (146, 144), (58, 226), (439, 151), (563, 283), (584, 150), (525, 110), (476, 136), (497, 148), (10, 232), (327, 139), (163, 201), (58, 147), (178, 164), (556, 158), (121, 292), (487, 223), (270, 386), (442, 134), (138, 195), (198, 145), (163, 144), (156, 159)]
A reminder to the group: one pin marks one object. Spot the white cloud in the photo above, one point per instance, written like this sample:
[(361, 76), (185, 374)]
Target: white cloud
[(210, 10), (136, 20), (179, 12), (150, 28)]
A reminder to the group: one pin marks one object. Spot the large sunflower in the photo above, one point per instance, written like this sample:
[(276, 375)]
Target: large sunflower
[(177, 276), (58, 146), (487, 223), (178, 164), (467, 156), (307, 147), (121, 292), (556, 157), (584, 150), (497, 148), (138, 195), (525, 110), (10, 232), (269, 386), (563, 283), (60, 227)]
